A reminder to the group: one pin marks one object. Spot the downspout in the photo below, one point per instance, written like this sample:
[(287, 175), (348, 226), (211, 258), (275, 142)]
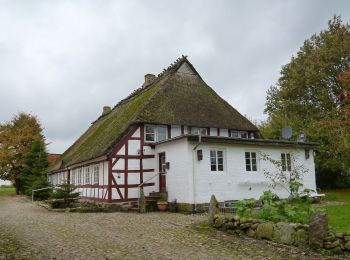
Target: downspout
[(194, 174)]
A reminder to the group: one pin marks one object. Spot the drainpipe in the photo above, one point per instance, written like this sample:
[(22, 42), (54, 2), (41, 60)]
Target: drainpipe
[(194, 173)]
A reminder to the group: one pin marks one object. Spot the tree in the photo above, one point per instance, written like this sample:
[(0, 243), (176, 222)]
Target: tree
[(16, 139), (33, 173), (307, 96)]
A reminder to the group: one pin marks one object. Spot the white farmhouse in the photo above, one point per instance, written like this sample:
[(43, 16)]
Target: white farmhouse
[(175, 134)]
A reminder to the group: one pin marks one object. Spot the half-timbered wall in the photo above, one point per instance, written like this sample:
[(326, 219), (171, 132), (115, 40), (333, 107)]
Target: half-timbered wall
[(132, 164)]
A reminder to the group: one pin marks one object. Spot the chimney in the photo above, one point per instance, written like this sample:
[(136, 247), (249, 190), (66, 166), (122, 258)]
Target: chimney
[(149, 78), (106, 110)]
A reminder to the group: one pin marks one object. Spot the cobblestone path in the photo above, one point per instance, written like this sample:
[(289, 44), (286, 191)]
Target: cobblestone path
[(28, 231)]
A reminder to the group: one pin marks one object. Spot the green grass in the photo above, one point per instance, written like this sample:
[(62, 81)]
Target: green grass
[(7, 191), (338, 215)]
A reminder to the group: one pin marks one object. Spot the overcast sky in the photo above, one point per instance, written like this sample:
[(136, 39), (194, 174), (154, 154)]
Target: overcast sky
[(64, 60)]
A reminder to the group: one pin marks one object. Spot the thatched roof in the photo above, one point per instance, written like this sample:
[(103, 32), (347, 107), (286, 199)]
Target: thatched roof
[(177, 96)]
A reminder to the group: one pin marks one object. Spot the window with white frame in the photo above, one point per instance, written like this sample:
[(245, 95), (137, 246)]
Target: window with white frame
[(87, 175), (251, 162), (197, 130), (238, 134), (216, 160), (286, 162), (96, 173), (155, 133), (79, 176)]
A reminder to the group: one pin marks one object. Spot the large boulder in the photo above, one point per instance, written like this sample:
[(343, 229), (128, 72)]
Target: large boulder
[(318, 229), (265, 230), (213, 210), (284, 233)]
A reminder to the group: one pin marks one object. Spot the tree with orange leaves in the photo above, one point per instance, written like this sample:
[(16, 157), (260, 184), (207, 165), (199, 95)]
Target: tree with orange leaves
[(16, 139)]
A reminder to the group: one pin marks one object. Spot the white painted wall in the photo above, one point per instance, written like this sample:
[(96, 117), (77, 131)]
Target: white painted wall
[(234, 182), (178, 177)]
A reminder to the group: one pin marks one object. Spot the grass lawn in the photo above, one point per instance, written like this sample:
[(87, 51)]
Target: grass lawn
[(338, 215), (7, 191)]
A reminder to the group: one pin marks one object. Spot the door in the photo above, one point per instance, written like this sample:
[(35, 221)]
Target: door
[(162, 173)]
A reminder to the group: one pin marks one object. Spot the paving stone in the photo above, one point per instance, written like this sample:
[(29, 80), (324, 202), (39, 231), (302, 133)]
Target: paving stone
[(28, 231)]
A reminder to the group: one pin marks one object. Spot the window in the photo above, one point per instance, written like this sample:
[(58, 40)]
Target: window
[(161, 133), (239, 134), (150, 133), (286, 162), (250, 162), (197, 130), (155, 133), (79, 176), (216, 160), (96, 173), (87, 175)]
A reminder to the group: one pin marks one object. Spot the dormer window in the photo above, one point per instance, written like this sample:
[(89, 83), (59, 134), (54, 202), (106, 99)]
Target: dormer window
[(239, 134), (154, 133), (197, 130)]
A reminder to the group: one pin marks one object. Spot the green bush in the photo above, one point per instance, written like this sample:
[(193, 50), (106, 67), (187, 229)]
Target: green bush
[(64, 196), (269, 207)]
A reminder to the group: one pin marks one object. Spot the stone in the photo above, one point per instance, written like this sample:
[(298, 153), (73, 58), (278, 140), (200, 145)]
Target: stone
[(213, 210), (329, 238), (255, 226), (347, 245), (347, 238), (339, 235), (142, 202), (251, 233), (229, 225), (301, 237), (236, 218), (245, 226), (243, 220), (219, 222), (337, 250), (284, 233), (318, 229), (265, 230), (331, 245)]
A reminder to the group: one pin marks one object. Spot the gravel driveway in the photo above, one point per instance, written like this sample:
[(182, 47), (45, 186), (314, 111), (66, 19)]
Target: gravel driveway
[(28, 231)]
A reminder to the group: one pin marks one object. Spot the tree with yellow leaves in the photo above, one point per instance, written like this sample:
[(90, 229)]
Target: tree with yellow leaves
[(16, 139)]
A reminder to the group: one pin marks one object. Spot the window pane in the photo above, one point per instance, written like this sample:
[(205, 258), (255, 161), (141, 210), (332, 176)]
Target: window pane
[(220, 160), (234, 134), (150, 129), (247, 161), (203, 131), (283, 157), (220, 167), (194, 130), (212, 153), (220, 154), (150, 137), (289, 166), (253, 155), (247, 155), (247, 167), (213, 160), (213, 167), (254, 167), (161, 133), (244, 135)]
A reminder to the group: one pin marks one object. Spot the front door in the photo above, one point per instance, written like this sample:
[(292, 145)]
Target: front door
[(162, 173)]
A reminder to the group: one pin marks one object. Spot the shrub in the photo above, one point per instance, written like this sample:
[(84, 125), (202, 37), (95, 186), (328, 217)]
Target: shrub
[(269, 207), (64, 196)]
